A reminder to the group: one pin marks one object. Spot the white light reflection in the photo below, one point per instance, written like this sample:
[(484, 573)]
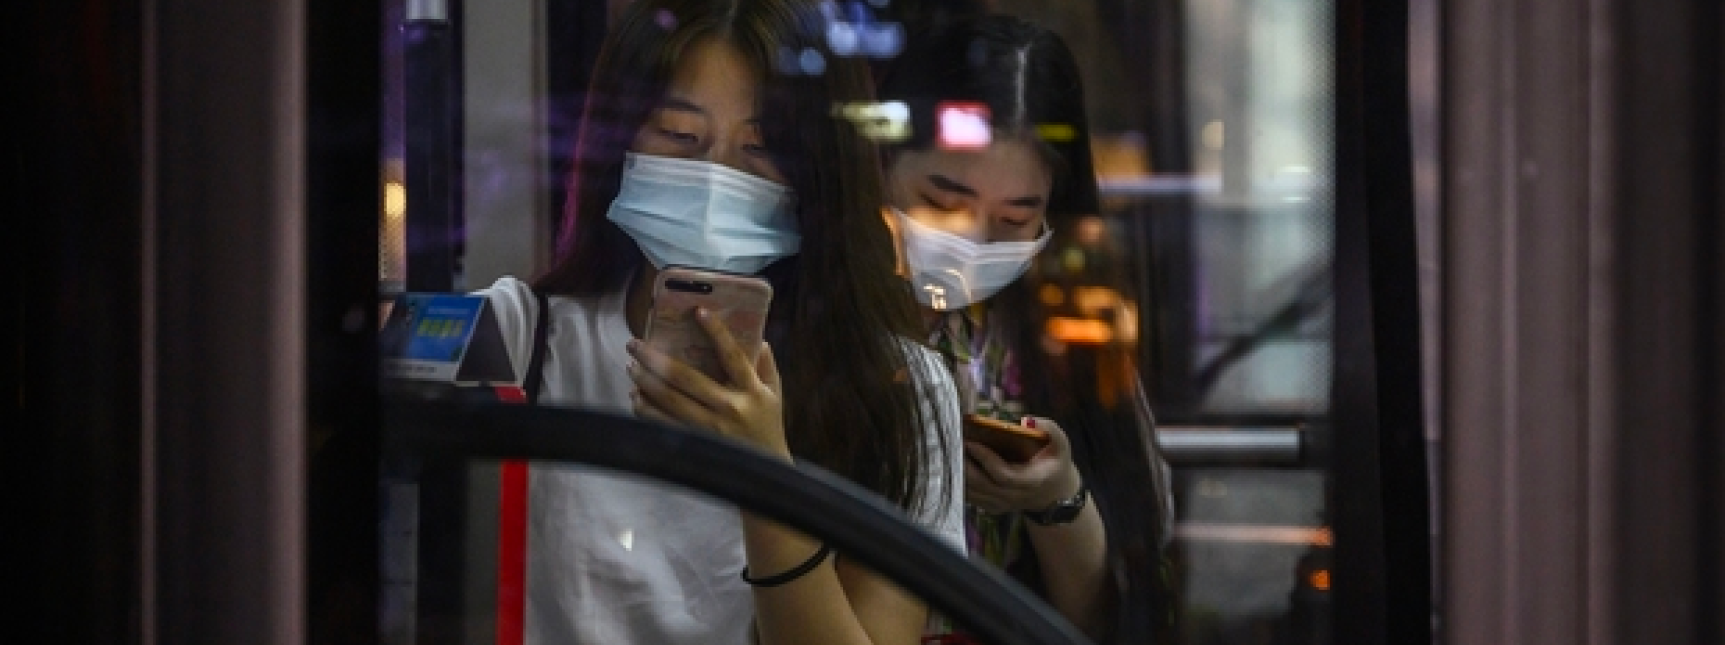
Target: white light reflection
[(963, 126)]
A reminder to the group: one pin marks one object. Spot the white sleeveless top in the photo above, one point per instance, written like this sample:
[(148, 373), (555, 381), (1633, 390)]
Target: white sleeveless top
[(617, 558)]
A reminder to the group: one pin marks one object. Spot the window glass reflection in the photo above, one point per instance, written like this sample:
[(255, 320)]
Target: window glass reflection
[(1160, 251)]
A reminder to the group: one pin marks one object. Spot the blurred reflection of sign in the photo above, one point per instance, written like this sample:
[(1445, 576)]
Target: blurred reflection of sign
[(1056, 132), (887, 122), (1079, 331), (1092, 301), (853, 31)]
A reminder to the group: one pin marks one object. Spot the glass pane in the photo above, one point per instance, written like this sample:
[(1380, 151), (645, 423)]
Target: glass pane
[(1201, 278), (1222, 223)]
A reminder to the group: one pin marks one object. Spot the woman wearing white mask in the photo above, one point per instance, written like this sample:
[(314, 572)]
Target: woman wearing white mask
[(998, 157), (699, 148)]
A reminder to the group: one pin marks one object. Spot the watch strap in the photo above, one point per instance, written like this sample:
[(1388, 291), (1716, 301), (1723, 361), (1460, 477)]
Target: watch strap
[(1060, 512)]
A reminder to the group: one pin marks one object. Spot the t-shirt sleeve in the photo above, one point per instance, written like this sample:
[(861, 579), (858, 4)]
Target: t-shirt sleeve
[(943, 510), (513, 304)]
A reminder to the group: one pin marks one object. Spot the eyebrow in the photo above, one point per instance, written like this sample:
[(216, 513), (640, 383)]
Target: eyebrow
[(685, 105), (681, 105), (948, 184)]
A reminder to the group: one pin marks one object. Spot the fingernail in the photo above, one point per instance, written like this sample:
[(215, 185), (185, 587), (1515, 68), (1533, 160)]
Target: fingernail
[(701, 312), (1028, 422)]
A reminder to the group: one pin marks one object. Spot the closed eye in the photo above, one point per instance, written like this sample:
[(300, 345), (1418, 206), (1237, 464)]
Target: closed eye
[(937, 204), (679, 136), (948, 185)]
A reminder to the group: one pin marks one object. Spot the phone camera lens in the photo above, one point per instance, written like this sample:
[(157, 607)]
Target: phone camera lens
[(689, 286)]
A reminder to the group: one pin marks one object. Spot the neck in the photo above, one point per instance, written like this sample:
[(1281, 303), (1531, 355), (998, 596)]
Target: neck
[(638, 302)]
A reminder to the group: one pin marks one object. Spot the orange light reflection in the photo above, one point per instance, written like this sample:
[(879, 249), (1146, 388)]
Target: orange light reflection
[(1079, 331)]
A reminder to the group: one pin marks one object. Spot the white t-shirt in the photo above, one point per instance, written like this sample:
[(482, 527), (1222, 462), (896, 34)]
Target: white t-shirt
[(618, 558)]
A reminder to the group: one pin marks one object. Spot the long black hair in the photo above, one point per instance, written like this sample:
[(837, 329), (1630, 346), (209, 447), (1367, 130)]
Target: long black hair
[(1028, 79), (839, 320)]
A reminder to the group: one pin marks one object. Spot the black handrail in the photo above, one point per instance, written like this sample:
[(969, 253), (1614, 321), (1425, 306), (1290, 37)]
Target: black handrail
[(856, 522)]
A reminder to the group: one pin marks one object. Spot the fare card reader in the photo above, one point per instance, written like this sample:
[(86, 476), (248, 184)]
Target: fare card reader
[(450, 339)]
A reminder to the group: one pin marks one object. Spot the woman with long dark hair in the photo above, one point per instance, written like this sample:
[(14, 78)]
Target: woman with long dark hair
[(997, 159), (707, 140)]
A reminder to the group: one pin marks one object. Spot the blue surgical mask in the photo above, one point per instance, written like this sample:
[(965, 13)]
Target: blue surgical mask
[(699, 214)]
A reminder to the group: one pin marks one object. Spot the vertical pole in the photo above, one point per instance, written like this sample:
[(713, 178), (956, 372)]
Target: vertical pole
[(430, 113)]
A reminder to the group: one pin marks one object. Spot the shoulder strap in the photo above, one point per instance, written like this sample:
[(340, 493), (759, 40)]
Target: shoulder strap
[(535, 381)]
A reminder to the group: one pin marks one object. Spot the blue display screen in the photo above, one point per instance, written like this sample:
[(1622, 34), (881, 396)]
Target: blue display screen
[(440, 325)]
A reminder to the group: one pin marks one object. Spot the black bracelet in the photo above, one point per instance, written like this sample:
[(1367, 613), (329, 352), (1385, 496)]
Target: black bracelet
[(807, 566)]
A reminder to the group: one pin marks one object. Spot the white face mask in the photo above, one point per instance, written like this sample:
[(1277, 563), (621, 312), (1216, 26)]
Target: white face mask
[(705, 215), (948, 271)]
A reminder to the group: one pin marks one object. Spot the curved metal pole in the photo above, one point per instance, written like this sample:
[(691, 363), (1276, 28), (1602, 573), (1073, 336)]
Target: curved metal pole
[(854, 521)]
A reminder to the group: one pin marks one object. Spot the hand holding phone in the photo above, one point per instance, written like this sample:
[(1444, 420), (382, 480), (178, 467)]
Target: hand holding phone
[(1013, 442), (740, 302)]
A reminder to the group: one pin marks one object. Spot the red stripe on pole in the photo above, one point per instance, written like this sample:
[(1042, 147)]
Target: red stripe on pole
[(512, 554)]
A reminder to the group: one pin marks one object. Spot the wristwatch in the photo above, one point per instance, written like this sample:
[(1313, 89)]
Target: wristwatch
[(1060, 512)]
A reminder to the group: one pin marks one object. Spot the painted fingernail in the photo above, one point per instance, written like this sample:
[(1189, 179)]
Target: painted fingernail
[(1028, 422)]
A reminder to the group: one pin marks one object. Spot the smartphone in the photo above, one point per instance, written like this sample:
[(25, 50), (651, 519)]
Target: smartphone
[(740, 301), (1013, 442)]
